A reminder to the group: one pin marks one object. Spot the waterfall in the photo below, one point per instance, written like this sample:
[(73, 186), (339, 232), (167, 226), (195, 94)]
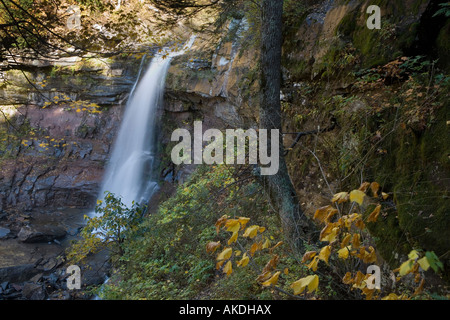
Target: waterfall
[(128, 174)]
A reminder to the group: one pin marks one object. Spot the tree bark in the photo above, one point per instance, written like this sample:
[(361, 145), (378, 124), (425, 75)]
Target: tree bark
[(296, 225)]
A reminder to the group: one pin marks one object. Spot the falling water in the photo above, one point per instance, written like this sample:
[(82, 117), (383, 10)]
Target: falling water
[(128, 174)]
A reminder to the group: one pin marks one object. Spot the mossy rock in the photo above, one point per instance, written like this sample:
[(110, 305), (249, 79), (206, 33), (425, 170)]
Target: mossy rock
[(396, 35), (443, 46), (417, 170)]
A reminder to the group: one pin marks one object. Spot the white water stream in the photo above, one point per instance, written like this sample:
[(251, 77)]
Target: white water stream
[(128, 174)]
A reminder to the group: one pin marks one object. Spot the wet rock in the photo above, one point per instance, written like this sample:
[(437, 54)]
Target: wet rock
[(37, 278), (44, 233), (33, 291), (18, 273), (4, 232)]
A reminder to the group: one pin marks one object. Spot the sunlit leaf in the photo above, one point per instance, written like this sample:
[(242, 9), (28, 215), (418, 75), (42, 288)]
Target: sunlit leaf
[(266, 244), (423, 263), (255, 247), (244, 261), (344, 252), (324, 253), (314, 264), (340, 197), (312, 282), (233, 237), (232, 225), (346, 240), (225, 254), (323, 214), (357, 196), (264, 276), (273, 280), (413, 255), (363, 187), (228, 269), (406, 267), (243, 221), (251, 232)]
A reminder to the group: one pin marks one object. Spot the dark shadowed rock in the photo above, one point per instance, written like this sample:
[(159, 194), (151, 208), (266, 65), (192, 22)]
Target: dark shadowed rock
[(33, 291), (44, 233), (18, 273)]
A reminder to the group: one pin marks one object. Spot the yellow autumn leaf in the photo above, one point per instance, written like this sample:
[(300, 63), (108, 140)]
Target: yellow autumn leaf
[(243, 221), (244, 261), (251, 232), (340, 197), (279, 243), (219, 264), (225, 254), (324, 253), (329, 235), (286, 271), (255, 247), (261, 229), (264, 276), (266, 244), (322, 213), (232, 225), (405, 268), (233, 238), (356, 241), (273, 280), (384, 195), (347, 279), (391, 296), (314, 263), (363, 187), (211, 246), (374, 186), (369, 257), (375, 213), (312, 282), (308, 256), (413, 255), (343, 253), (423, 263), (228, 269), (357, 196), (346, 240), (220, 222)]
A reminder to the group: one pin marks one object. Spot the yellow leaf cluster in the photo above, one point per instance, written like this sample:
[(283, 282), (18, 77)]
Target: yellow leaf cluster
[(310, 282)]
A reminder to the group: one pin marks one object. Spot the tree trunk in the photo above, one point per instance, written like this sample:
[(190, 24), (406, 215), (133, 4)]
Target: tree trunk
[(296, 225)]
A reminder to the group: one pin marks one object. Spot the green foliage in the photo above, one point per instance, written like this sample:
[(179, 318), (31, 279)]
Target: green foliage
[(444, 10), (166, 258), (108, 229)]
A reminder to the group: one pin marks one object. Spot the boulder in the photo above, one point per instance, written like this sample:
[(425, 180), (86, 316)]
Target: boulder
[(42, 233), (33, 291), (18, 273)]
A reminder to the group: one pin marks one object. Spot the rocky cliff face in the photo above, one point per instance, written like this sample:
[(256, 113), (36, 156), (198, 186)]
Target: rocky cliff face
[(60, 118)]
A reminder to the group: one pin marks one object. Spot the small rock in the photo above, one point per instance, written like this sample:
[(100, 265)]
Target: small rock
[(33, 291), (36, 278), (4, 285), (4, 232)]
